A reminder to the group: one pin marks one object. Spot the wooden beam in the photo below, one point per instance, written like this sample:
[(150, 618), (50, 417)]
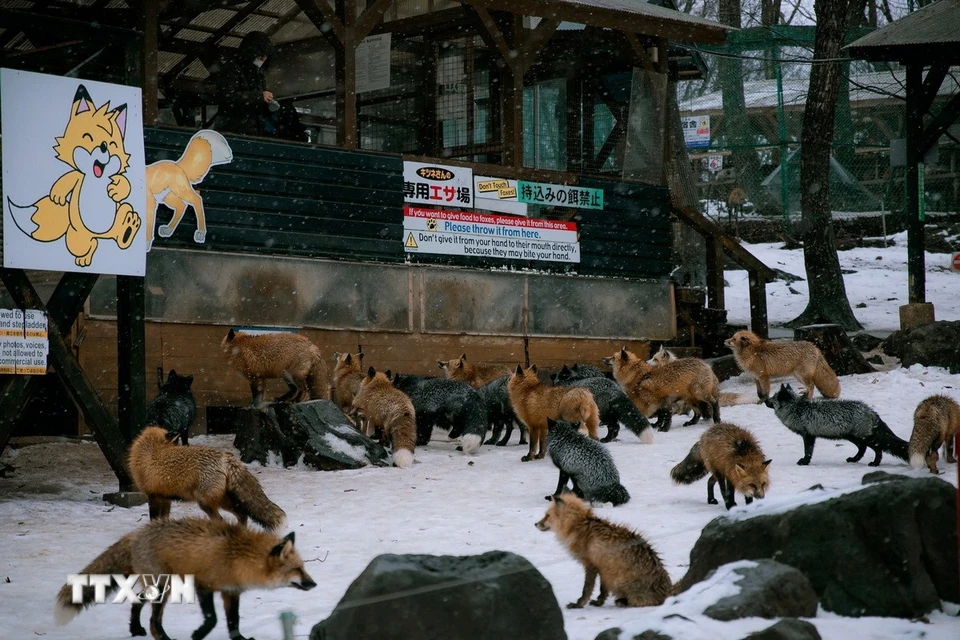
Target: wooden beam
[(931, 85), (641, 52), (534, 42), (715, 293), (758, 305), (149, 53), (345, 72), (492, 36), (321, 13), (916, 270), (707, 228), (370, 17), (104, 427), (949, 114)]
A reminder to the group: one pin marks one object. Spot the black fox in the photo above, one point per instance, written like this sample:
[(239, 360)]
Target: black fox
[(174, 408), (500, 414), (586, 462), (613, 404), (448, 404)]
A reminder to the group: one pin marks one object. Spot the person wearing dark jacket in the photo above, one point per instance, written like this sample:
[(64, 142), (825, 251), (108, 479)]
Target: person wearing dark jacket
[(242, 96)]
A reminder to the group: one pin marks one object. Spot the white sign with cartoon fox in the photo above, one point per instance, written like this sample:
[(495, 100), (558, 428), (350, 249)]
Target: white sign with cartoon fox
[(73, 175)]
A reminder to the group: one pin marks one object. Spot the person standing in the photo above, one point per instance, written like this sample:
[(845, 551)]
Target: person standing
[(242, 97)]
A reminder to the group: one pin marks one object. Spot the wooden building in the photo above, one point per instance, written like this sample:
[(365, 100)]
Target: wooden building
[(310, 235)]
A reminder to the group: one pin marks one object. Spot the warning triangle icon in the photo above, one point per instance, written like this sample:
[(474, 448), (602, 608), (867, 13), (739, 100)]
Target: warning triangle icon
[(410, 243)]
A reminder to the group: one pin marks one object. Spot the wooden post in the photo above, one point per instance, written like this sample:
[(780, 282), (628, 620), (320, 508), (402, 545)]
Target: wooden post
[(345, 64), (150, 25), (131, 356), (715, 299), (914, 136), (758, 305)]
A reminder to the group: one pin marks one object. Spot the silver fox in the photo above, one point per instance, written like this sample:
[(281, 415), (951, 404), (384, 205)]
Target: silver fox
[(586, 462), (835, 420)]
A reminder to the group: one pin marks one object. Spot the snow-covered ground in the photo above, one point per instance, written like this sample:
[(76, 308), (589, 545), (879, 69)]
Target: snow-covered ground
[(52, 519), (879, 281)]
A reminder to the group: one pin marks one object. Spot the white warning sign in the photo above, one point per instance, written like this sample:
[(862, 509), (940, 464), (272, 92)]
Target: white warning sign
[(23, 342), (489, 236)]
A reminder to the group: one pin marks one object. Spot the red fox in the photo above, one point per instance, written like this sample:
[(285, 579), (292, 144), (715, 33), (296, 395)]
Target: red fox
[(221, 556), (389, 412), (347, 377), (534, 403), (212, 478), (172, 182), (733, 458), (285, 355), (655, 389), (765, 359), (628, 566), (476, 375), (935, 422)]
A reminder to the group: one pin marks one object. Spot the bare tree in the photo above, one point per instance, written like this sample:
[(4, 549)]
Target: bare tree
[(828, 295)]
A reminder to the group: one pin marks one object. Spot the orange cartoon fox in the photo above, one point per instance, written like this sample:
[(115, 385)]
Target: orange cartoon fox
[(171, 182), (92, 145)]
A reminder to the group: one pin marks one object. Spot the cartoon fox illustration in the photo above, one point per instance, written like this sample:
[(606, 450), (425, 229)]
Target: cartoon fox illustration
[(212, 478), (389, 412), (655, 389), (936, 421), (628, 566), (222, 556), (285, 355), (86, 204), (534, 403), (347, 377), (732, 457), (765, 359), (476, 375), (172, 182)]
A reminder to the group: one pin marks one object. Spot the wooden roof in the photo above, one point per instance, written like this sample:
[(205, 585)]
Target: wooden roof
[(931, 34)]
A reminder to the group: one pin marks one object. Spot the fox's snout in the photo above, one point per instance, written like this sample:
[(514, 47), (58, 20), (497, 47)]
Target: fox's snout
[(608, 361), (306, 584), (542, 525)]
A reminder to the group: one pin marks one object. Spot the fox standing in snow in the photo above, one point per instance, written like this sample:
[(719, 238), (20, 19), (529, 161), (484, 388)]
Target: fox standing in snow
[(629, 568), (172, 182), (347, 376), (212, 478), (614, 407), (476, 375), (285, 355), (936, 421), (174, 408), (221, 556), (500, 414), (765, 359), (655, 389), (534, 403), (836, 420), (732, 457), (448, 404), (389, 412), (586, 462)]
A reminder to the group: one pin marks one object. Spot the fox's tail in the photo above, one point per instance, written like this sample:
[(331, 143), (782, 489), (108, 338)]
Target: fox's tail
[(205, 149), (921, 441), (632, 419), (615, 493), (825, 380), (404, 440), (319, 381), (475, 429), (249, 497), (117, 559), (729, 399), (691, 468), (888, 441), (23, 217)]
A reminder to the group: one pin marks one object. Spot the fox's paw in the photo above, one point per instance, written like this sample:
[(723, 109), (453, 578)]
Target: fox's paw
[(803, 462), (119, 188), (596, 603), (85, 260), (137, 629), (574, 605), (127, 226), (875, 463), (712, 501), (200, 236), (526, 458), (165, 230), (58, 195)]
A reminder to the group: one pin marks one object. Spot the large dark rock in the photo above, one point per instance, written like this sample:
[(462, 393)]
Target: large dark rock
[(768, 589), (936, 344), (724, 367), (889, 549), (865, 342), (316, 431), (494, 595), (787, 629), (649, 634)]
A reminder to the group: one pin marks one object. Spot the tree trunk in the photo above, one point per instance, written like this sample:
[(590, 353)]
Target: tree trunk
[(735, 121), (828, 295)]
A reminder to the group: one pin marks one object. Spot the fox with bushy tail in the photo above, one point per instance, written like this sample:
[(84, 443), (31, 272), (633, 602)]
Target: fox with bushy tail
[(584, 461), (221, 556), (936, 421), (500, 414), (448, 404), (289, 356), (613, 405), (835, 420), (389, 412), (212, 478), (732, 457)]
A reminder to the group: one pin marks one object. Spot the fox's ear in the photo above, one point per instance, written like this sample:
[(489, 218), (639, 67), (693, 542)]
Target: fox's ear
[(231, 334), (371, 372), (739, 470), (519, 370), (766, 463), (172, 374), (463, 357), (623, 353), (558, 500), (553, 377), (360, 356), (82, 101), (441, 364), (390, 375), (348, 358), (565, 369), (460, 363), (284, 547), (533, 368), (121, 119), (551, 423), (575, 367), (336, 356)]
